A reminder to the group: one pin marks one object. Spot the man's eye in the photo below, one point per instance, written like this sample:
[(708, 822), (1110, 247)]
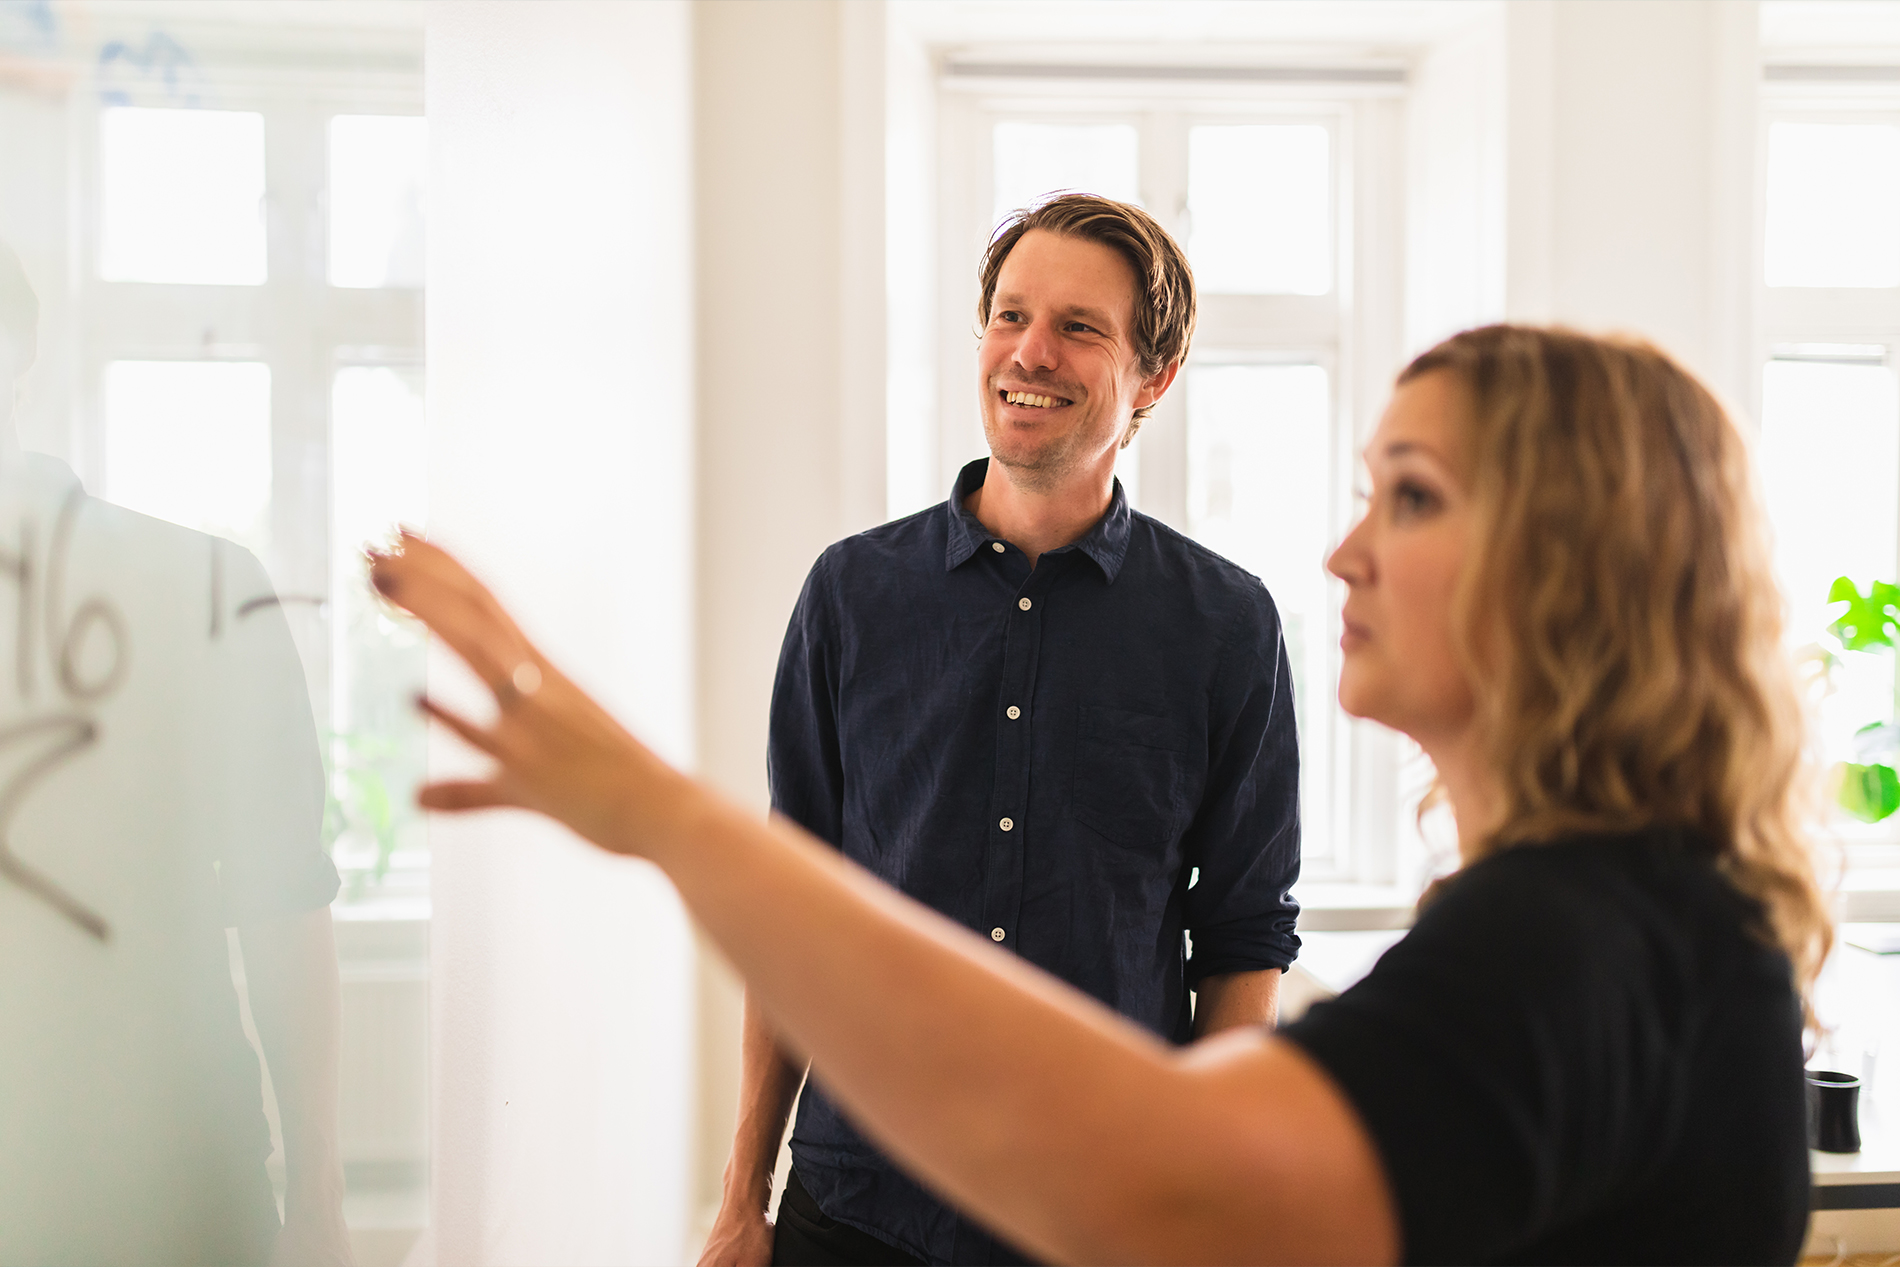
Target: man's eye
[(1077, 327), (1010, 316)]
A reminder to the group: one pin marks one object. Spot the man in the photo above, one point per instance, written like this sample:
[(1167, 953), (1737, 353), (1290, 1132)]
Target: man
[(159, 782), (1051, 718)]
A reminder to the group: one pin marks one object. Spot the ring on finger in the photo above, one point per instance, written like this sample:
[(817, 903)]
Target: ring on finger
[(523, 681)]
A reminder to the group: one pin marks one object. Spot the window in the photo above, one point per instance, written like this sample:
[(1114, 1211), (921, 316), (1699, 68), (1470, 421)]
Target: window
[(253, 338), (240, 341), (181, 196), (189, 441), (1830, 410), (1276, 191)]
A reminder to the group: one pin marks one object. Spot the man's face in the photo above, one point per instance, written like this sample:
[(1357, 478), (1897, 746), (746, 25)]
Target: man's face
[(1057, 367)]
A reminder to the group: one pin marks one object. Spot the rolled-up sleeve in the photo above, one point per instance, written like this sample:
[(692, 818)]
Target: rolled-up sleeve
[(1245, 839), (802, 758)]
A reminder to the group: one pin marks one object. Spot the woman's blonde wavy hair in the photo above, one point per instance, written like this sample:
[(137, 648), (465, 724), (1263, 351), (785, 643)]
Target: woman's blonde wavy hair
[(1623, 629)]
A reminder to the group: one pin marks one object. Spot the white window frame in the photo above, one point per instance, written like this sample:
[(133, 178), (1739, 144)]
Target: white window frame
[(1789, 316), (1365, 857), (303, 328)]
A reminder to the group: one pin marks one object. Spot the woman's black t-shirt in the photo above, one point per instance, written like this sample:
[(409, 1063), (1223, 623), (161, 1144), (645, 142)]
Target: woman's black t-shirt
[(1581, 1054)]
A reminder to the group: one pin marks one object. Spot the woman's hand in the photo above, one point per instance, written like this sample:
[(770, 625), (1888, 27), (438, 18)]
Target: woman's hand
[(555, 750)]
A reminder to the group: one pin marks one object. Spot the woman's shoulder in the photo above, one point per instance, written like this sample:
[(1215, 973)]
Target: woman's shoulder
[(1596, 867), (1650, 894)]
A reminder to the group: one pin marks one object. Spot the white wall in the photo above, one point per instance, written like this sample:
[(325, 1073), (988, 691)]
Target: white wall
[(560, 343), (1456, 134), (789, 143), (1591, 164), (1631, 181)]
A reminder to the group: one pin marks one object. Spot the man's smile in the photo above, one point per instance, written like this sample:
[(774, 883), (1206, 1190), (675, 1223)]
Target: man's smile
[(1033, 400)]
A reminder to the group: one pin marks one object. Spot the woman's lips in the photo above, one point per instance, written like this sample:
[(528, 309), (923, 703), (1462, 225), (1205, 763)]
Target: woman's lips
[(1355, 635)]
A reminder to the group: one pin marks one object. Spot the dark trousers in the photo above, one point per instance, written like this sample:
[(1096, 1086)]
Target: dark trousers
[(807, 1237)]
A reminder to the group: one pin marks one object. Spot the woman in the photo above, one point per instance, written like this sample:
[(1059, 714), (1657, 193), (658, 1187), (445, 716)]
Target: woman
[(1589, 1046)]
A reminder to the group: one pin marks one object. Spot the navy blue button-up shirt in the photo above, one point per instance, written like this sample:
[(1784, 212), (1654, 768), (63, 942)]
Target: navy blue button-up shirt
[(1082, 762)]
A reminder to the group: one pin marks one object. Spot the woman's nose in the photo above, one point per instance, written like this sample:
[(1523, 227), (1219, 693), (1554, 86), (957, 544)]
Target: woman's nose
[(1348, 559)]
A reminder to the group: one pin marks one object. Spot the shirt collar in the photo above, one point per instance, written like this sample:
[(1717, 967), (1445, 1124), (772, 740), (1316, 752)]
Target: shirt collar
[(1106, 542)]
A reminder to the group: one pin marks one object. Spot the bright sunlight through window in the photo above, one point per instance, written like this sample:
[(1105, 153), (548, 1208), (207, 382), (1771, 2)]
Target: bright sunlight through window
[(1260, 209), (378, 165), (190, 441), (181, 196), (1833, 205), (1259, 439), (1036, 159)]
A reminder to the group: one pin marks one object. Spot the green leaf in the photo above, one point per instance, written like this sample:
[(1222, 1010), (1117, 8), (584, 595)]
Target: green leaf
[(1869, 792), (1871, 619)]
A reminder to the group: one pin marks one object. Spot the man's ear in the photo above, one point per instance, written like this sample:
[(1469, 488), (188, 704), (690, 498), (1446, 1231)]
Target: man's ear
[(1156, 385)]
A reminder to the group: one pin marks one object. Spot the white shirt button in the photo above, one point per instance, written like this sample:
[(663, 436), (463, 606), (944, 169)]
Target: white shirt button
[(1007, 823), (1023, 603), (996, 546), (1014, 712), (996, 934)]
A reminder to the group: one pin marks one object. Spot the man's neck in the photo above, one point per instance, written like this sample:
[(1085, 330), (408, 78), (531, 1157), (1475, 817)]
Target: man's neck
[(1037, 521)]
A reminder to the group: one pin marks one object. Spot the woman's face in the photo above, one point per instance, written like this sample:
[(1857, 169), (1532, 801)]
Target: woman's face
[(1401, 563)]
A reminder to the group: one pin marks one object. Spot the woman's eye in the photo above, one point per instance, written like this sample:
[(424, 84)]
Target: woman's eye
[(1410, 498)]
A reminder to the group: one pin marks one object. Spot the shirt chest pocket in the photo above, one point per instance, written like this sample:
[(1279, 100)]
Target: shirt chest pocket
[(1132, 776)]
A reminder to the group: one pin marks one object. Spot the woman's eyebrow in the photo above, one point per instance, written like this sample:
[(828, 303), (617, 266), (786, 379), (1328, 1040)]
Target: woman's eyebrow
[(1398, 449)]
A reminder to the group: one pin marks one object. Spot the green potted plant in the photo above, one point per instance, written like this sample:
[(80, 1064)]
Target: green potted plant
[(1868, 786)]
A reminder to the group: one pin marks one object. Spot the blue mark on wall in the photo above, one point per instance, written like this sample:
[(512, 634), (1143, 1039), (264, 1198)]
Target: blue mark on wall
[(28, 26), (160, 69)]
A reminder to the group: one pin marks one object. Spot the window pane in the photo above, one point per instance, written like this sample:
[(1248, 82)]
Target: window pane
[(1037, 159), (377, 169), (1259, 474), (190, 441), (1260, 203), (181, 196), (378, 478), (1830, 458), (1833, 205)]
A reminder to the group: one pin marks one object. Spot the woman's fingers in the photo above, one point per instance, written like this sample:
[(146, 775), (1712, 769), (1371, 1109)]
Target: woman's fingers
[(462, 794), (445, 596), (468, 730), (558, 751)]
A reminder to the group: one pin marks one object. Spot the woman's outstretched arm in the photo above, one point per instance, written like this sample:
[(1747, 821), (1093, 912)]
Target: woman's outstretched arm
[(1050, 1118)]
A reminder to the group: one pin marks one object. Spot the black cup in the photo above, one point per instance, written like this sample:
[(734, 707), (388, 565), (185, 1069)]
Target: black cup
[(1833, 1111)]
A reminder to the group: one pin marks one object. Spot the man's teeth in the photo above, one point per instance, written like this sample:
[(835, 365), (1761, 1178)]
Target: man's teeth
[(1030, 398)]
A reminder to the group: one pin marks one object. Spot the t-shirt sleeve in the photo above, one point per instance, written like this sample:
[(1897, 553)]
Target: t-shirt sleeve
[(1245, 837), (269, 773), (802, 758), (1506, 1057)]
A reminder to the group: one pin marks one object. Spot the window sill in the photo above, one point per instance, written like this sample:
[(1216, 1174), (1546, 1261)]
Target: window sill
[(1347, 908), (1869, 895)]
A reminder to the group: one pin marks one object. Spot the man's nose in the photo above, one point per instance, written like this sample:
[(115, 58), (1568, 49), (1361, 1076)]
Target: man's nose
[(1039, 349)]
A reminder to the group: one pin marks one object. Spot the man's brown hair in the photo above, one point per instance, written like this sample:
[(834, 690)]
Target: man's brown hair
[(1164, 284)]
